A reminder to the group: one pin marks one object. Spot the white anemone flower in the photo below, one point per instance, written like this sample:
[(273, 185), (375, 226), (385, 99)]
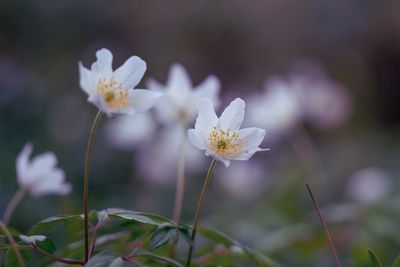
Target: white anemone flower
[(40, 176), (180, 98), (222, 137), (112, 91)]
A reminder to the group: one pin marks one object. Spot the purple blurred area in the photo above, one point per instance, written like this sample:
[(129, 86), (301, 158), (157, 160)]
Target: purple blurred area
[(339, 59)]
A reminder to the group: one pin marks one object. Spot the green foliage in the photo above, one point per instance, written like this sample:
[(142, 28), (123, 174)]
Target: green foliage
[(130, 238), (396, 262), (375, 262)]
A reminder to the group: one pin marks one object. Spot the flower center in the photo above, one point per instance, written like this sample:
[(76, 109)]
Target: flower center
[(113, 94), (225, 143)]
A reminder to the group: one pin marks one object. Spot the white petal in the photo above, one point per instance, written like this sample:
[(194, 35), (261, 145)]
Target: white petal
[(207, 118), (87, 80), (197, 139), (22, 164), (179, 79), (154, 85), (248, 154), (103, 65), (225, 161), (142, 100), (52, 183), (232, 116), (130, 73), (252, 137), (209, 88), (101, 104)]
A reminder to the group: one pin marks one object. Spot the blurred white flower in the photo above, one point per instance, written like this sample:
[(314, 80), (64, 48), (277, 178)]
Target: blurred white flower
[(180, 97), (368, 185), (112, 91), (222, 137), (278, 109), (326, 104), (32, 239), (164, 151), (127, 132), (245, 180), (40, 176)]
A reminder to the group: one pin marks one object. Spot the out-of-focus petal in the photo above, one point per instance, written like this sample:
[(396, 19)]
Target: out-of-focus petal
[(142, 100), (103, 65)]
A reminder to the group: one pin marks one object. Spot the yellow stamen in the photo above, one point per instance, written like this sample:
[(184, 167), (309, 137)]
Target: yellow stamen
[(225, 143), (113, 94)]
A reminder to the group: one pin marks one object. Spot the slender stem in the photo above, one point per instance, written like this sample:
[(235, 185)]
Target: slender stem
[(98, 226), (200, 205), (324, 226), (180, 186), (14, 246), (12, 204), (56, 258), (86, 181)]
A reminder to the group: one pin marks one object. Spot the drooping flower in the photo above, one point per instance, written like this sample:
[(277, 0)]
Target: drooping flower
[(180, 98), (33, 238), (113, 91), (222, 137), (40, 176)]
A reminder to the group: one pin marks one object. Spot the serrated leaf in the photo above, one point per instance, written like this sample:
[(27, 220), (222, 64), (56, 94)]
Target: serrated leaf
[(147, 254), (375, 262), (236, 247), (186, 233), (49, 224), (103, 259), (162, 236), (118, 262), (396, 262)]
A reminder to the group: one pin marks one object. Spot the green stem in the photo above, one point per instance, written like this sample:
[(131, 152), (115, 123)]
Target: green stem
[(86, 181), (180, 186), (200, 205), (12, 205), (14, 246), (56, 258)]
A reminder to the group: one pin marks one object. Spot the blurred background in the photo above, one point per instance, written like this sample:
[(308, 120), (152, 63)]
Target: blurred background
[(322, 76)]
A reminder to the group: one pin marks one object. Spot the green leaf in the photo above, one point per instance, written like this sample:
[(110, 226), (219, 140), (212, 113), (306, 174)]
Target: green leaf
[(8, 246), (47, 245), (11, 259), (118, 262), (49, 224), (236, 247), (128, 215), (103, 259), (374, 259), (141, 253), (162, 236), (396, 262), (186, 233)]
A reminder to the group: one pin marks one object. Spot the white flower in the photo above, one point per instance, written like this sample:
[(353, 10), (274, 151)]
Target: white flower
[(32, 239), (369, 185), (278, 109), (112, 91), (40, 176), (178, 104), (128, 132), (222, 137)]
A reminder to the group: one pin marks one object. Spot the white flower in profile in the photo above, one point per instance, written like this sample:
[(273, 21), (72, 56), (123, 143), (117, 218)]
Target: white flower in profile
[(222, 137), (40, 176), (112, 91), (180, 98)]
